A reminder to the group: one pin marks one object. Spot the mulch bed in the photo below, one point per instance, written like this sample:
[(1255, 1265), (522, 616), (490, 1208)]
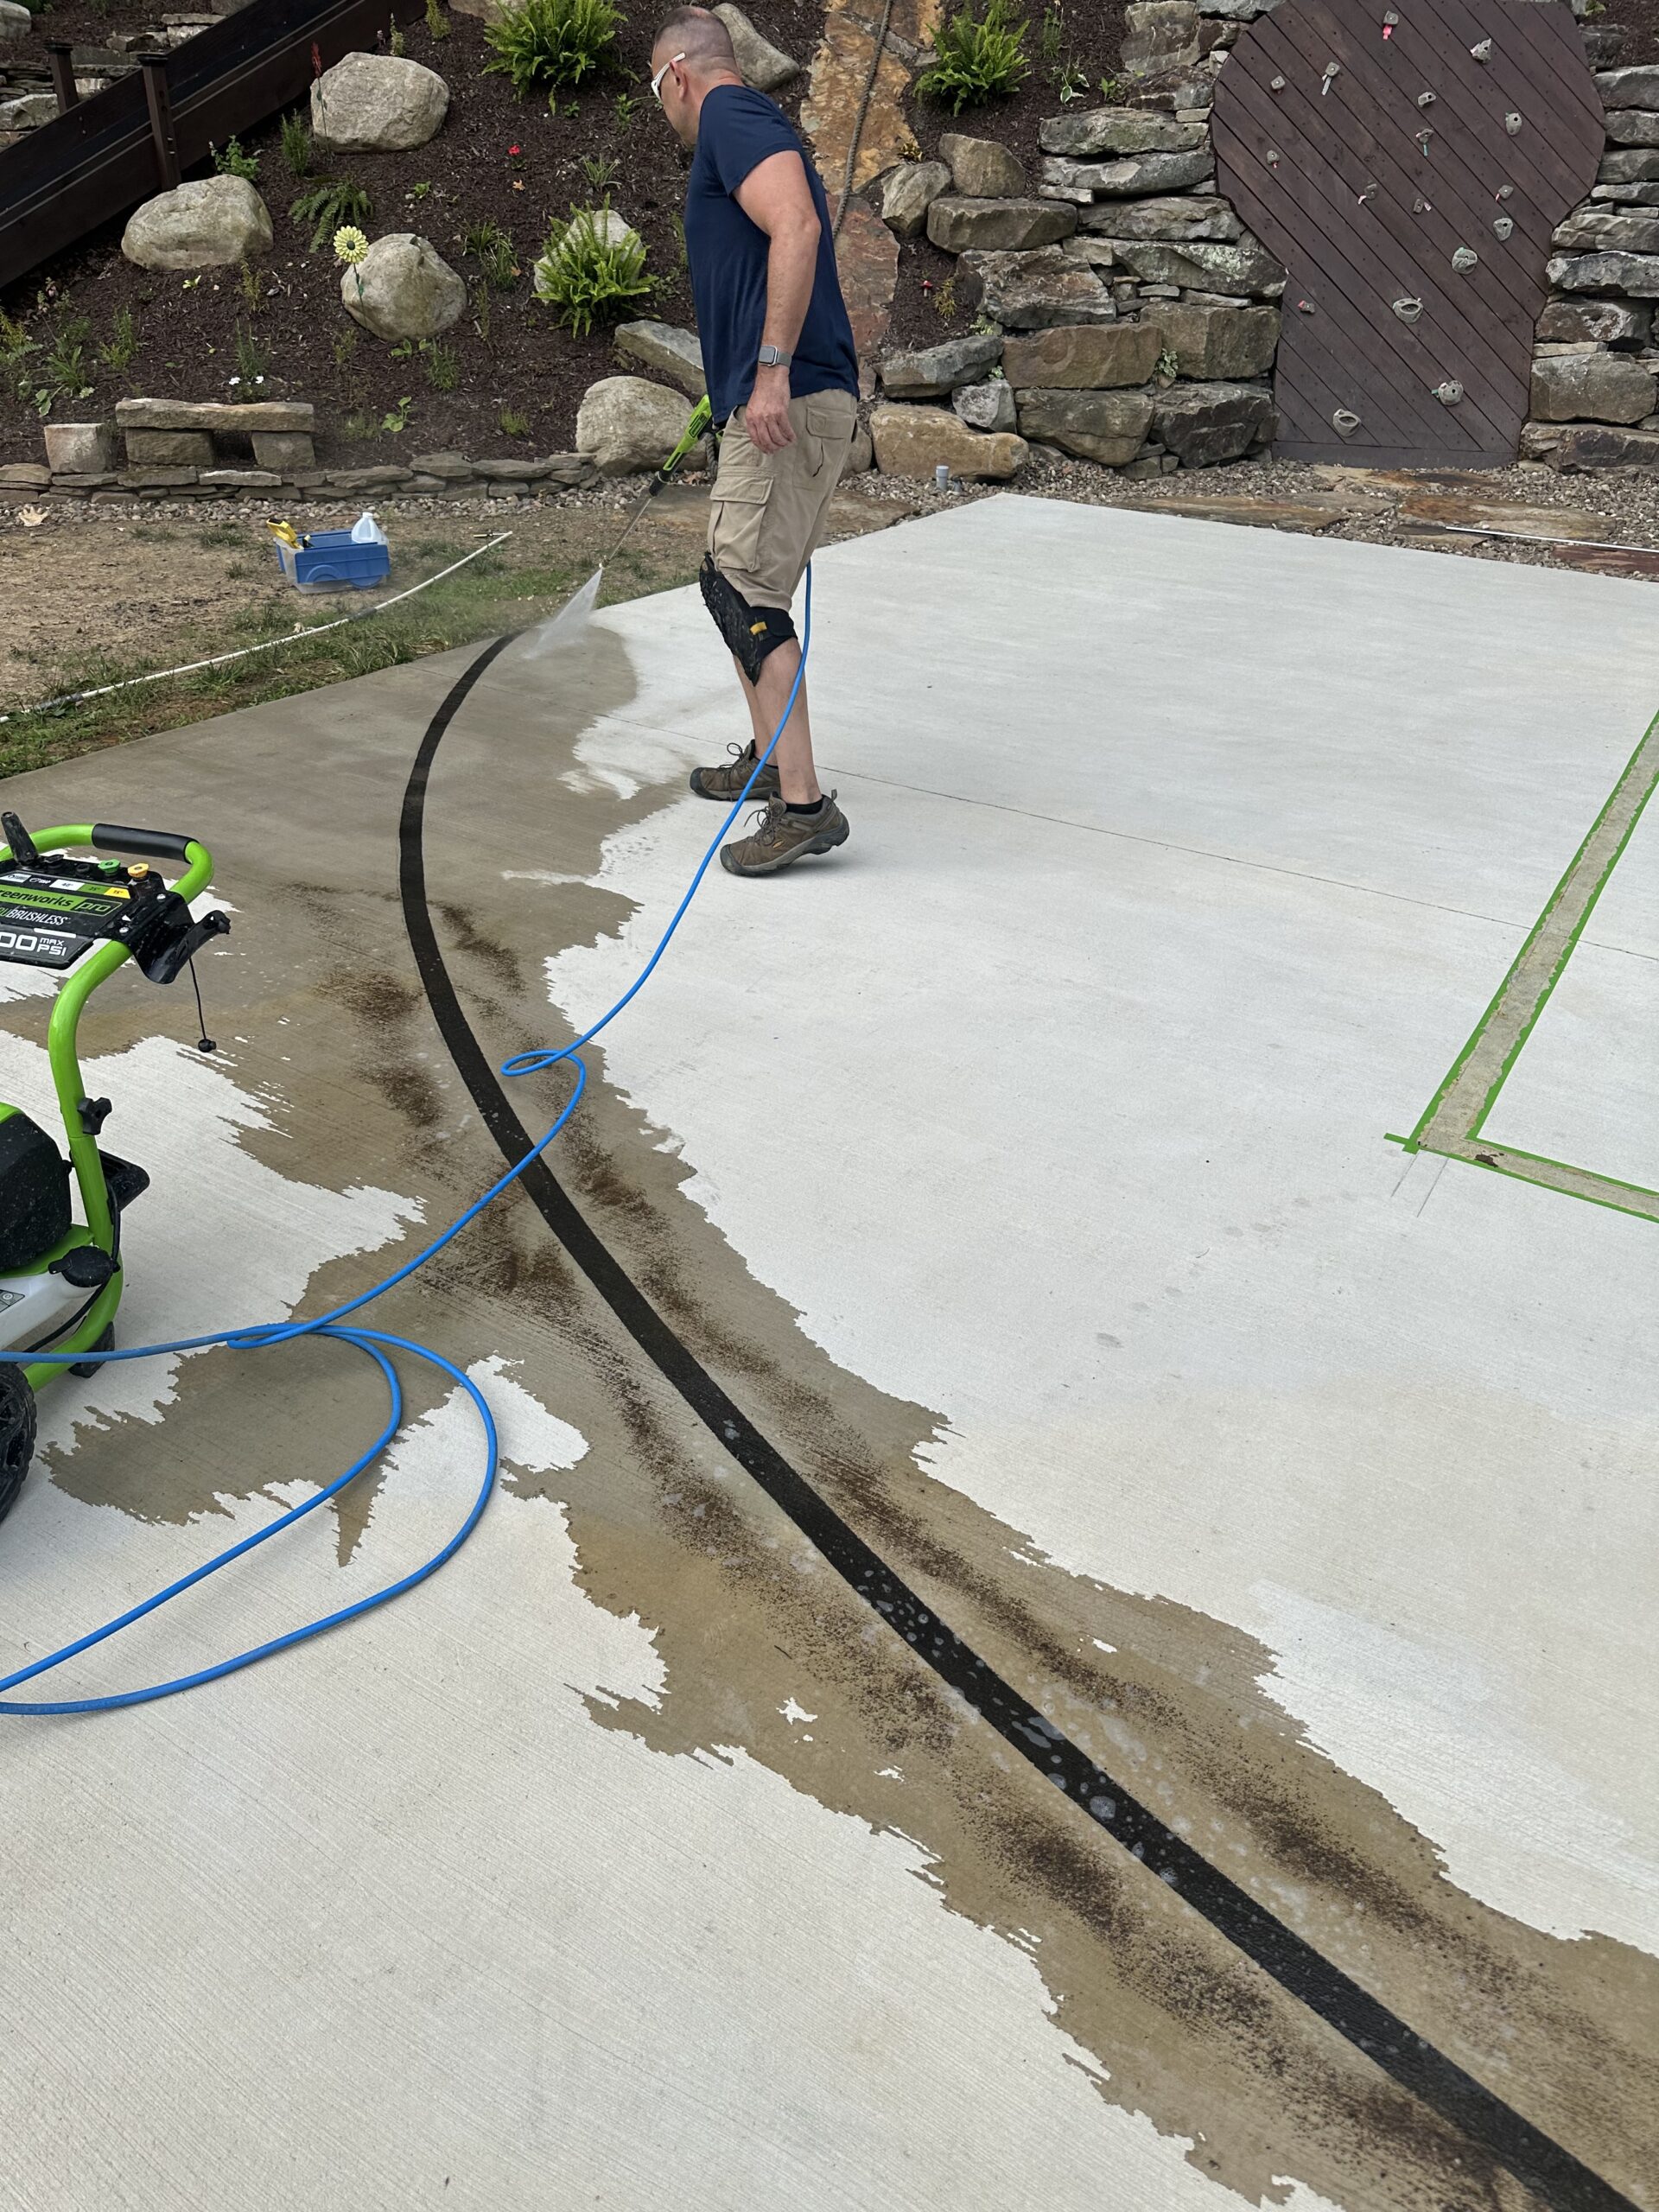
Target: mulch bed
[(514, 357), (521, 359)]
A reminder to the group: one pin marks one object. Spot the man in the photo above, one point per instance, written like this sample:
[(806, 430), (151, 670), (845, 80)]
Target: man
[(782, 373)]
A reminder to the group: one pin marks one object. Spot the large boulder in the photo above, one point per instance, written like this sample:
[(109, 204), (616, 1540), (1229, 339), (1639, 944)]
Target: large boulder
[(1105, 426), (1597, 230), (1086, 357), (764, 65), (981, 169), (1213, 344), (1596, 322), (1204, 424), (915, 441), (1591, 388), (1242, 271), (1030, 291), (674, 353), (1162, 36), (15, 22), (407, 290), (1119, 131), (627, 423), (208, 224), (908, 193), (959, 225), (986, 406), (1633, 273), (1132, 177), (377, 104), (935, 372), (28, 113)]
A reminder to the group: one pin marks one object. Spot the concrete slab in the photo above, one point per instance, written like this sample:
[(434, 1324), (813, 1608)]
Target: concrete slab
[(1020, 1174)]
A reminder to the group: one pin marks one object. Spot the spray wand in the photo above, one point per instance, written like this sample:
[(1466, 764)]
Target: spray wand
[(701, 416)]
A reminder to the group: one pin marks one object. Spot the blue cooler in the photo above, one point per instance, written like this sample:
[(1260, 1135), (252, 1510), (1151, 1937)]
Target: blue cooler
[(333, 561)]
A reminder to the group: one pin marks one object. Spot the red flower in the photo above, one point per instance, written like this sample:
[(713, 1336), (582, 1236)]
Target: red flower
[(515, 150)]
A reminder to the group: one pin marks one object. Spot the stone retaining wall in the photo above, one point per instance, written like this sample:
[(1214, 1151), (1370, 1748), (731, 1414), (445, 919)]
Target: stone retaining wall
[(1127, 317)]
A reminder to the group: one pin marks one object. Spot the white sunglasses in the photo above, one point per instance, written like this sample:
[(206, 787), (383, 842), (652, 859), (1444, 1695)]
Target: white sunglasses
[(656, 81)]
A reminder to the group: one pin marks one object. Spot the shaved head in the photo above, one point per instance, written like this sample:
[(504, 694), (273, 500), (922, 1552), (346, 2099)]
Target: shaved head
[(702, 38)]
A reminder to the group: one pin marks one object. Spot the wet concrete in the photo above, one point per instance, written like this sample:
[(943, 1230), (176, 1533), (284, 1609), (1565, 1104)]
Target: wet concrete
[(1205, 2077)]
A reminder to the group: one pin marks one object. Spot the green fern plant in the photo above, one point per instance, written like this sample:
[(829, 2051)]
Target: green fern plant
[(552, 42), (328, 206), (592, 265), (232, 159), (977, 58)]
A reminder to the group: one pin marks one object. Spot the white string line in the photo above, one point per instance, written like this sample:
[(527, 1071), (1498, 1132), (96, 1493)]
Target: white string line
[(1533, 537), (218, 660)]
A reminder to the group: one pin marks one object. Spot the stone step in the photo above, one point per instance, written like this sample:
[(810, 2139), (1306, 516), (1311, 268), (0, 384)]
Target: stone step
[(215, 415)]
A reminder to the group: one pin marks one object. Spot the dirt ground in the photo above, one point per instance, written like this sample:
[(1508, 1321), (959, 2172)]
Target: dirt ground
[(86, 588)]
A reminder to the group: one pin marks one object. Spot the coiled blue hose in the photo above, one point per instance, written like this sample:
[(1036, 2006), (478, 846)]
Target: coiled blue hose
[(377, 1344)]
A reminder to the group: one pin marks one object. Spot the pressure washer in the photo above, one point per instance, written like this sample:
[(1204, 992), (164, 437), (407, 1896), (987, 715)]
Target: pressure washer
[(56, 907), (79, 920)]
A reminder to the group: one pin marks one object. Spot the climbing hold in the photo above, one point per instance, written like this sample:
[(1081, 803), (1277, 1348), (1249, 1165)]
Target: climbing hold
[(1484, 51), (1346, 421), (1306, 307), (1504, 192), (1423, 137), (1408, 309), (1512, 123), (1465, 258), (1369, 192), (1425, 99), (1274, 158), (1504, 227), (1391, 21), (1420, 207), (1448, 393), (1332, 71), (1276, 84)]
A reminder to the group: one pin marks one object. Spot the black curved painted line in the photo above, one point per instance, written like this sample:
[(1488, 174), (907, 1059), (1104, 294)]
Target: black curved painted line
[(1553, 2174)]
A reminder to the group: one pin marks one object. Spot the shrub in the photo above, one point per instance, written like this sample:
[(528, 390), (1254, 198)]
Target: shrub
[(64, 374), (328, 206), (252, 362), (977, 58), (591, 265), (296, 144), (514, 423), (436, 21), (233, 160), (552, 42)]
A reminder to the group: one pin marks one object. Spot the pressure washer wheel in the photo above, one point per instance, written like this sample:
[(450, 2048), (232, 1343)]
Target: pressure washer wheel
[(16, 1435)]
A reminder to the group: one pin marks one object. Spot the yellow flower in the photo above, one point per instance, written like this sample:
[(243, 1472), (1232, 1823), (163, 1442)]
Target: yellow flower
[(350, 245)]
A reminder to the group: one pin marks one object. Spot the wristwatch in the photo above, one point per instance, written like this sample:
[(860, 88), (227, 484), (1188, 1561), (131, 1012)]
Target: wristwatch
[(773, 357)]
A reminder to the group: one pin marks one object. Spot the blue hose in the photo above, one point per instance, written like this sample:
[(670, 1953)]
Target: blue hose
[(258, 1336)]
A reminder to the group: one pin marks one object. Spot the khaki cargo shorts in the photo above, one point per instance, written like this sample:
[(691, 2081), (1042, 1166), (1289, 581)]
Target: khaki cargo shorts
[(768, 509)]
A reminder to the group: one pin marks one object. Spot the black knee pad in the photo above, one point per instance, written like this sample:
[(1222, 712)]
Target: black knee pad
[(750, 631)]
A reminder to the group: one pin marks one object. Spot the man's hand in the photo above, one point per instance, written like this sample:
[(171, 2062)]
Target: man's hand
[(767, 416)]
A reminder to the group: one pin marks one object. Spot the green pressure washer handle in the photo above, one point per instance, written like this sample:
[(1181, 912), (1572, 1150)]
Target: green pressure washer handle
[(702, 416)]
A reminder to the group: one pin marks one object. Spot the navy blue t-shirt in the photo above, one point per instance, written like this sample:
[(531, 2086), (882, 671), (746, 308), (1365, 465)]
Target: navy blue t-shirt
[(737, 130)]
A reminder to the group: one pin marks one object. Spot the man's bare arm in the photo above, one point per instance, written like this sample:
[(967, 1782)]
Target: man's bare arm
[(776, 198)]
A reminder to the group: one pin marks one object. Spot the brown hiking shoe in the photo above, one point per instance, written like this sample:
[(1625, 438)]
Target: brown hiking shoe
[(726, 783), (783, 837)]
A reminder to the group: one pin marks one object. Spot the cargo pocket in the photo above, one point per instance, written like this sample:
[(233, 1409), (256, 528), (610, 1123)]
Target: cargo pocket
[(829, 433), (736, 523)]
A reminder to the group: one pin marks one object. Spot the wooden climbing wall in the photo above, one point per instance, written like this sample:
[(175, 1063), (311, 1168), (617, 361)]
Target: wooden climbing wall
[(1406, 161)]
